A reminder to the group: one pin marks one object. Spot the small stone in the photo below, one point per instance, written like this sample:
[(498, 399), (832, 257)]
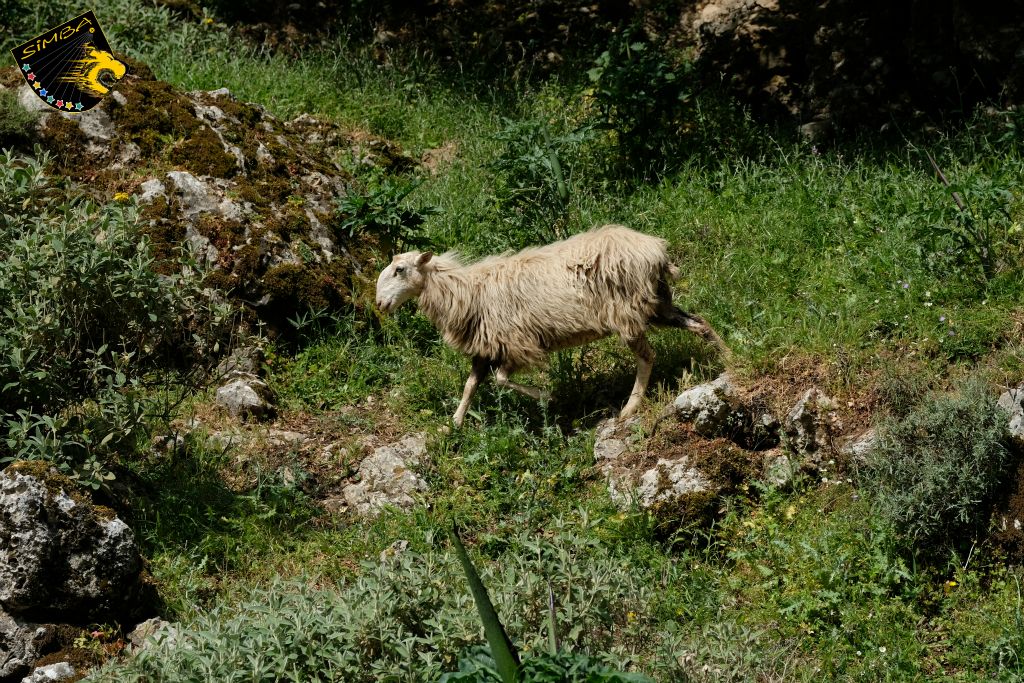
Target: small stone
[(1012, 403), (707, 406), (246, 397), (95, 124), (61, 671), (394, 550), (151, 189), (149, 628), (809, 425)]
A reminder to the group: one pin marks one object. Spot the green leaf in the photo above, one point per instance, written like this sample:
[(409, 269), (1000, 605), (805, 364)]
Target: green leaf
[(504, 652)]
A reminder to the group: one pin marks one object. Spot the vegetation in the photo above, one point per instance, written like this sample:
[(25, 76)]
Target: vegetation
[(853, 266)]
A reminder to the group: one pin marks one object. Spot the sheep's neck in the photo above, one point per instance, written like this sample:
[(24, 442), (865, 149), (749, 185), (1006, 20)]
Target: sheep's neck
[(440, 292)]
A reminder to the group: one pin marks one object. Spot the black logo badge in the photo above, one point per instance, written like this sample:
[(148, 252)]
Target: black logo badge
[(67, 65)]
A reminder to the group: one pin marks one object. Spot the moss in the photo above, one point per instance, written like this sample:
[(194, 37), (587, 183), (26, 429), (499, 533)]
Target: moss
[(166, 233), (11, 77), (153, 115), (294, 288), (202, 153), (66, 142), (289, 222), (264, 193), (54, 481)]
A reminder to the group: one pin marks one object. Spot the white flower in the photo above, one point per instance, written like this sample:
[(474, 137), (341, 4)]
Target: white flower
[(882, 649)]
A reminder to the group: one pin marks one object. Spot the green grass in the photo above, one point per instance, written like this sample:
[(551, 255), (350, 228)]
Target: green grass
[(790, 251)]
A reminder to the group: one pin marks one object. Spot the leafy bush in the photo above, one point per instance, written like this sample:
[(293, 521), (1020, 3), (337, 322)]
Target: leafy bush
[(83, 319), (935, 470), (968, 229), (641, 95), (402, 620), (379, 211), (533, 179)]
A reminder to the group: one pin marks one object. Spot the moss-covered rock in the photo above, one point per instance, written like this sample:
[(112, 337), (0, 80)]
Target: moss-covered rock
[(253, 196)]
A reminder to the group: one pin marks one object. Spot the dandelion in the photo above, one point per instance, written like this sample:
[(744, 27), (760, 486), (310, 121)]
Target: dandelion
[(121, 197)]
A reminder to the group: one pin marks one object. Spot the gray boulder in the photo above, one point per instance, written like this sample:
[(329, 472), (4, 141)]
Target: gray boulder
[(386, 477), (58, 552), (1012, 402)]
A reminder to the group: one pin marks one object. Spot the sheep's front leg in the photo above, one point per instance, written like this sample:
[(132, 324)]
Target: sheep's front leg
[(501, 377), (480, 368), (645, 361)]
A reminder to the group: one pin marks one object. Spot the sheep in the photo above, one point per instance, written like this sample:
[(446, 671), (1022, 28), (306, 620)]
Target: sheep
[(509, 312)]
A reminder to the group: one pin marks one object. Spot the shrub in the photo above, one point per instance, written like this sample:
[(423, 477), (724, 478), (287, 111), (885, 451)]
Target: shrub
[(642, 96), (83, 319), (935, 470), (379, 211), (404, 619), (533, 180)]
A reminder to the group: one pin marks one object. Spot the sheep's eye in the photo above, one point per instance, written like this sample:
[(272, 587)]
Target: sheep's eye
[(399, 270)]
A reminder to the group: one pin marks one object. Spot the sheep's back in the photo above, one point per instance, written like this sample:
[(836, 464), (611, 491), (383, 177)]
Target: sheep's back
[(583, 288)]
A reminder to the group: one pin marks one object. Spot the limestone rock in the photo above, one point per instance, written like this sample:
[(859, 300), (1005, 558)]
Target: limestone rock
[(192, 193), (247, 397), (150, 190), (51, 673), (58, 552), (149, 628), (707, 406), (810, 424), (669, 480), (858, 447), (612, 439), (386, 477), (778, 468), (1012, 402)]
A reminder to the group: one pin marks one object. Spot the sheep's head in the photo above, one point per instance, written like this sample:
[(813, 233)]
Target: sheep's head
[(402, 280)]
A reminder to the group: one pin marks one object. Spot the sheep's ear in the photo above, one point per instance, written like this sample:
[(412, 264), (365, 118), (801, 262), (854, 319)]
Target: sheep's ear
[(424, 258)]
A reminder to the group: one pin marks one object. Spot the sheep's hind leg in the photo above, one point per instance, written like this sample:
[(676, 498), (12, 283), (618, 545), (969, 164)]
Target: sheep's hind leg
[(672, 316), (479, 371), (501, 377), (641, 348)]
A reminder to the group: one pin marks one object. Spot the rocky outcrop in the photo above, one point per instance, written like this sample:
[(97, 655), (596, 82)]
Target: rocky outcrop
[(63, 560), (253, 197)]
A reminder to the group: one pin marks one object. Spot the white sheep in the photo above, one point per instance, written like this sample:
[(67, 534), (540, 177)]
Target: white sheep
[(509, 312)]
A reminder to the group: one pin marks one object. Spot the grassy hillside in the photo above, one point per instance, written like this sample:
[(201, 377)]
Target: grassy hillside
[(849, 266)]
